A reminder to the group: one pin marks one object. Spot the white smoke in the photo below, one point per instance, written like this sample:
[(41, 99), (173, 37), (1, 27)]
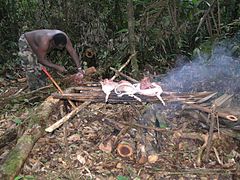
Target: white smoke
[(219, 71)]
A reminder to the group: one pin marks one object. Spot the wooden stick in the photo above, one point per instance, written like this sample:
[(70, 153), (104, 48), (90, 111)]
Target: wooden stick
[(229, 117), (39, 89), (124, 75), (123, 66), (56, 85), (99, 97), (20, 90), (205, 15), (67, 117), (138, 125), (194, 171), (212, 118), (217, 156), (198, 136)]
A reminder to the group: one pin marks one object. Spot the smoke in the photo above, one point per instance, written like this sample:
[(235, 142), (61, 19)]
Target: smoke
[(219, 71)]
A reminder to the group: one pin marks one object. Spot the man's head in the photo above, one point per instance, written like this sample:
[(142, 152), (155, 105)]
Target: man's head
[(60, 40)]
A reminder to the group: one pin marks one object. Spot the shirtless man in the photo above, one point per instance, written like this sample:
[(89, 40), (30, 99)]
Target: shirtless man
[(33, 49)]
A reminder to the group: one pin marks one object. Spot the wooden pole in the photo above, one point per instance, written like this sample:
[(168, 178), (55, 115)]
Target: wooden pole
[(56, 85), (67, 117), (227, 116)]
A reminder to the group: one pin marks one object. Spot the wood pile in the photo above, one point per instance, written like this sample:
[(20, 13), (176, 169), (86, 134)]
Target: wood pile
[(140, 147)]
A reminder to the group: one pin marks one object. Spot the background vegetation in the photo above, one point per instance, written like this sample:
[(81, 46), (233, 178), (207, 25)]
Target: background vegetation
[(164, 29)]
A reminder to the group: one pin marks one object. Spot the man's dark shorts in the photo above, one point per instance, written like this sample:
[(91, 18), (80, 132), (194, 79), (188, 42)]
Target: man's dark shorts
[(35, 77)]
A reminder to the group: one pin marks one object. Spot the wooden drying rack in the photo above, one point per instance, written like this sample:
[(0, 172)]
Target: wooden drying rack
[(93, 93)]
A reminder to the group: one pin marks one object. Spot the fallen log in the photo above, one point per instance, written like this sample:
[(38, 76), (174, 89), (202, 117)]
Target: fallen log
[(11, 166)]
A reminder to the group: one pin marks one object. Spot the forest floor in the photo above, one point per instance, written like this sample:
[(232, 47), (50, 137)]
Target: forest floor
[(72, 151)]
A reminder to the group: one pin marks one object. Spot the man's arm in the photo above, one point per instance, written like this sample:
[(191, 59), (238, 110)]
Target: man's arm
[(42, 58), (73, 53), (41, 53)]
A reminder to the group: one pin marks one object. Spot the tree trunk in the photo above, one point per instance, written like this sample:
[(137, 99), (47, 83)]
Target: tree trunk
[(131, 33), (17, 156)]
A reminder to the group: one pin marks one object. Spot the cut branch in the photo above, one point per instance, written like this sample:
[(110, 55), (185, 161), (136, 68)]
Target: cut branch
[(137, 125), (205, 15), (211, 129), (229, 117), (117, 72), (126, 147), (124, 75), (67, 117)]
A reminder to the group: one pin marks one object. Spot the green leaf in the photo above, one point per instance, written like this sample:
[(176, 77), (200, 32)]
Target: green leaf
[(122, 178), (17, 121), (28, 177), (163, 125), (195, 1), (122, 31), (18, 177), (26, 100)]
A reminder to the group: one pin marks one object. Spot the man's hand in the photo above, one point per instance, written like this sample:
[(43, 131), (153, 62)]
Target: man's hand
[(81, 71), (60, 69)]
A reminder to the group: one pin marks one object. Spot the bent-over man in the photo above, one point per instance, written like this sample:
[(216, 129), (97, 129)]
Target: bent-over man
[(33, 49)]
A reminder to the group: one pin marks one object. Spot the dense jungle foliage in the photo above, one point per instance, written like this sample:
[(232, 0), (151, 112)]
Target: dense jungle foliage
[(163, 30)]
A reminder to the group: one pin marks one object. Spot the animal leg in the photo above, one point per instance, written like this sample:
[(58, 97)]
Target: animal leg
[(120, 94), (160, 98), (137, 98), (106, 97)]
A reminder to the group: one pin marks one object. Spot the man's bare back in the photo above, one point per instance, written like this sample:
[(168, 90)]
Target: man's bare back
[(34, 47), (43, 41)]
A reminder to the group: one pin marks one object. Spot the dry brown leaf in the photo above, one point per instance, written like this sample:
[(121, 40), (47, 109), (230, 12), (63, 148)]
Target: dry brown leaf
[(81, 159), (74, 138)]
